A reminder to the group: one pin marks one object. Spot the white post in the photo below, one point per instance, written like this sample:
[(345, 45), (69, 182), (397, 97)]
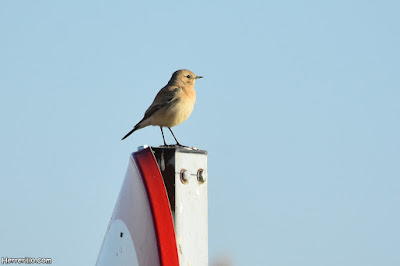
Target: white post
[(185, 176)]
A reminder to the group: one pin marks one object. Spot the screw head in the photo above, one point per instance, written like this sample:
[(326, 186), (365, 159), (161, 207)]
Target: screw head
[(142, 147), (184, 176), (201, 176)]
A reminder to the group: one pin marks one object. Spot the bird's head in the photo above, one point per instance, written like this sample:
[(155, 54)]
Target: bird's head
[(183, 77)]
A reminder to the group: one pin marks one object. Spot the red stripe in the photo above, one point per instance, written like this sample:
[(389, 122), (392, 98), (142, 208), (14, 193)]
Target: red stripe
[(160, 207)]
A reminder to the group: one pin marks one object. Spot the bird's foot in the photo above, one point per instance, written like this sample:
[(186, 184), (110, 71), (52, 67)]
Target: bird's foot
[(180, 145), (175, 145), (169, 145)]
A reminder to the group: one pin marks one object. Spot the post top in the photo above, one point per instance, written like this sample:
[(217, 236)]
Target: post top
[(180, 149)]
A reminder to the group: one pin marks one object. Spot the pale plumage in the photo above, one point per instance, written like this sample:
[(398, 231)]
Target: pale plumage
[(173, 104)]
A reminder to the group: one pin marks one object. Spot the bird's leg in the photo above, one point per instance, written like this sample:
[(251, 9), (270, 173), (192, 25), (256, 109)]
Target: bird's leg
[(162, 132), (177, 142)]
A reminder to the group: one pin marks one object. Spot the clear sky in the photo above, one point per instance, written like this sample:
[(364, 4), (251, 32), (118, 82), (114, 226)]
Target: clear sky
[(299, 111)]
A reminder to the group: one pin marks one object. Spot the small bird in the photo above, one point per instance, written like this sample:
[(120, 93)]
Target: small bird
[(173, 104)]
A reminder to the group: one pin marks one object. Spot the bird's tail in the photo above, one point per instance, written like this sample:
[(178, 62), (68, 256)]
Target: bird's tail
[(138, 126), (130, 132)]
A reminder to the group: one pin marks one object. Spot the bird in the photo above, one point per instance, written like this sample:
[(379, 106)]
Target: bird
[(172, 105)]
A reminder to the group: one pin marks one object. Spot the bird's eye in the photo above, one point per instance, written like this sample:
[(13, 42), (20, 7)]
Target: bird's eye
[(188, 76)]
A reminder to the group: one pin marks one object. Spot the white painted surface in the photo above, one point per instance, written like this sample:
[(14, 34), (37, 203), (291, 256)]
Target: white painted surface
[(117, 250), (191, 210), (133, 210)]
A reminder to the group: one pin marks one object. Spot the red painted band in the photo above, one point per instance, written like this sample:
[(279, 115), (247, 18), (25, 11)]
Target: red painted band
[(159, 204)]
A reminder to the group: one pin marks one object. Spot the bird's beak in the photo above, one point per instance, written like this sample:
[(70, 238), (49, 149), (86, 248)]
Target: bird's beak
[(199, 77)]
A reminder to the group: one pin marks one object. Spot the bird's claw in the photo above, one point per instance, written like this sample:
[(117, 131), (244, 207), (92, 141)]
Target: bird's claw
[(175, 145), (180, 145)]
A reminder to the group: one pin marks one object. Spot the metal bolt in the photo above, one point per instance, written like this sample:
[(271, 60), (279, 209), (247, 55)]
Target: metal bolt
[(201, 177), (184, 176), (142, 147)]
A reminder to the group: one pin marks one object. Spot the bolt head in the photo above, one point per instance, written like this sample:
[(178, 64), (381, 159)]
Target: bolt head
[(184, 176), (142, 147), (201, 176)]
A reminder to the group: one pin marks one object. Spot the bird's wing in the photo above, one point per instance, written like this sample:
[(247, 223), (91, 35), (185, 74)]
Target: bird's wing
[(165, 98)]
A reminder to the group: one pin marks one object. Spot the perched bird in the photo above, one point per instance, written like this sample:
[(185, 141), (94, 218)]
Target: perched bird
[(173, 104)]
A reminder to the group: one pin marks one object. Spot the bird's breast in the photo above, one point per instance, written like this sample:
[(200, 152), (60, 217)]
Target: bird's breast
[(176, 113)]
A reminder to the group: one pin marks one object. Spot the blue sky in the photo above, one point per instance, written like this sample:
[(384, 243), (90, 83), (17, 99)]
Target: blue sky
[(299, 112)]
